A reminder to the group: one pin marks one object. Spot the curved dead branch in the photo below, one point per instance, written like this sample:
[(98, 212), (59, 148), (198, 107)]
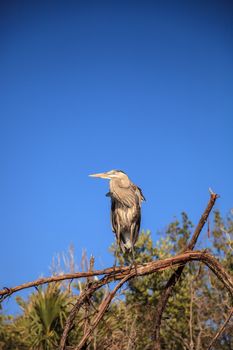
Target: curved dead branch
[(176, 275), (117, 273)]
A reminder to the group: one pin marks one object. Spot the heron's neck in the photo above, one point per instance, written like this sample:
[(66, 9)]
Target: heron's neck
[(119, 182)]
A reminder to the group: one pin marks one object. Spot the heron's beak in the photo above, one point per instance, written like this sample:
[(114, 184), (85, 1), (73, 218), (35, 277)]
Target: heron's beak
[(101, 175)]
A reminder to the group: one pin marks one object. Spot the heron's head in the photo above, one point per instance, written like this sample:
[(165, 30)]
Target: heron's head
[(112, 174)]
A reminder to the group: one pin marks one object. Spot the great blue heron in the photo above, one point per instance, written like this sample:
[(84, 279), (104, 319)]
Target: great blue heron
[(126, 201)]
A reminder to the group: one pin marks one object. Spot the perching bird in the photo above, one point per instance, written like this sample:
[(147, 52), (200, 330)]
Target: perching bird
[(126, 201)]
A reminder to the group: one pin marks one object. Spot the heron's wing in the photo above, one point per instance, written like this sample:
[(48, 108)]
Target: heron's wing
[(125, 223), (127, 196)]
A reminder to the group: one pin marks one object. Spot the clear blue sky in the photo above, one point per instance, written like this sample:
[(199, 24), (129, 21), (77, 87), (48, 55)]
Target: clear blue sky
[(146, 87)]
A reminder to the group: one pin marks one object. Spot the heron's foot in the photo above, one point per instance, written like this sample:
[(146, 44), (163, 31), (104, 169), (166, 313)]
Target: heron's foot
[(114, 265)]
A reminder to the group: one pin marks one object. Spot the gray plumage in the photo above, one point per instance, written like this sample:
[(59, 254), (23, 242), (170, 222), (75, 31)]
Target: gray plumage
[(126, 199)]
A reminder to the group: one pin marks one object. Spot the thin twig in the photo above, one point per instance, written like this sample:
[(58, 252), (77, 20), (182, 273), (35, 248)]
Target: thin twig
[(85, 295), (221, 330), (87, 305), (191, 344), (103, 307)]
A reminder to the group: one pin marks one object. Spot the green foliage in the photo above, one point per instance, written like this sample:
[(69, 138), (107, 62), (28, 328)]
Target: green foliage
[(43, 318), (179, 233)]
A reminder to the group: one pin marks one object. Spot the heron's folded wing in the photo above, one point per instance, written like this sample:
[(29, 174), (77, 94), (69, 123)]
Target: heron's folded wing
[(127, 196)]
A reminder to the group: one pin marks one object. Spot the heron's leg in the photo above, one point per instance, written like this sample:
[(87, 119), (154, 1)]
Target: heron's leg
[(117, 249), (115, 256), (132, 249), (134, 263)]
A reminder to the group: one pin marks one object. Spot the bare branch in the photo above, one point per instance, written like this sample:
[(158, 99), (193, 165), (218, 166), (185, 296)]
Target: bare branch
[(6, 291), (202, 221), (176, 275)]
